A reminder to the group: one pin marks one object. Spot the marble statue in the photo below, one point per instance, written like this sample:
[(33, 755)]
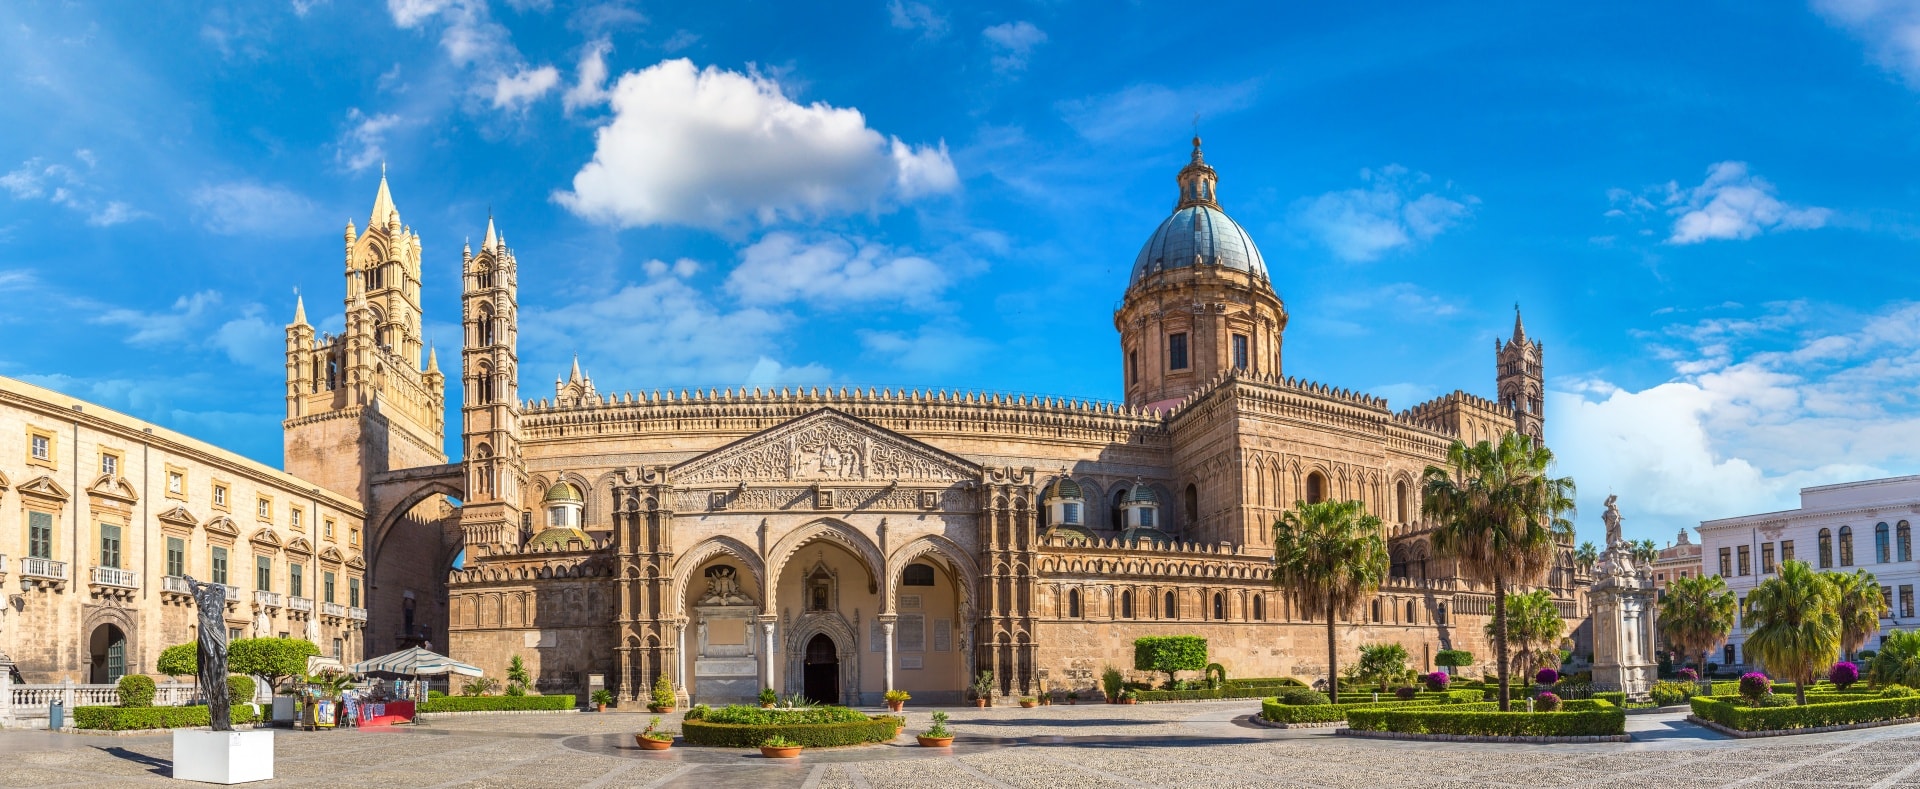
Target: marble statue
[(723, 587), (1612, 519), (211, 601)]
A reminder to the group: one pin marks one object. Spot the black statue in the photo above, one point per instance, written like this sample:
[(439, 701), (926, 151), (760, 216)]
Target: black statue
[(211, 600)]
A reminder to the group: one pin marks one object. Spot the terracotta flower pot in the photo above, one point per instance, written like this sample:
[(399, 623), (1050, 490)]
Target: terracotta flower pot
[(771, 752), (979, 702), (766, 706), (1129, 700), (659, 710), (649, 744), (934, 742), (599, 708), (1029, 704), (896, 706)]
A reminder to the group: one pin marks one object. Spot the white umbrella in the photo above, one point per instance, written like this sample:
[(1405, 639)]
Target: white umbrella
[(415, 662)]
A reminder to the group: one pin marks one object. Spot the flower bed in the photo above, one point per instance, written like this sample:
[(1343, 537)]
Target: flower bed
[(1577, 718), (739, 726), (1273, 710), (497, 703), (134, 718), (1816, 714)]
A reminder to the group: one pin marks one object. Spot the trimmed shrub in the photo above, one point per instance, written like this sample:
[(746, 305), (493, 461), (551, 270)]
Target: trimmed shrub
[(1546, 702), (1169, 654), (179, 660), (239, 688), (1546, 676), (878, 728), (1584, 718), (1843, 674), (136, 690), (1216, 675), (1667, 694), (1614, 697), (135, 718), (1837, 713), (1302, 696), (1111, 682), (760, 716), (1231, 690), (1689, 675), (1453, 658), (1755, 685), (276, 659), (1405, 693), (1896, 692), (498, 703), (1273, 710), (1438, 680)]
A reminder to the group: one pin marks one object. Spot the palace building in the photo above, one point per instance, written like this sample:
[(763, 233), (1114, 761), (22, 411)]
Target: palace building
[(840, 542)]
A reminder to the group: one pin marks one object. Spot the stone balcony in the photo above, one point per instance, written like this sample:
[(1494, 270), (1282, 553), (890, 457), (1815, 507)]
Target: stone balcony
[(357, 614), (44, 573), (300, 605), (263, 599), (173, 589), (112, 582)]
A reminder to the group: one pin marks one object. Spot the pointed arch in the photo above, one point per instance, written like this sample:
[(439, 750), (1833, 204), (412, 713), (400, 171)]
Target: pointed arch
[(707, 550), (831, 529)]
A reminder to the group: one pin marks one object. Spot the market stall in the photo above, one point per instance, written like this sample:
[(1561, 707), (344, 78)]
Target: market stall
[(394, 699)]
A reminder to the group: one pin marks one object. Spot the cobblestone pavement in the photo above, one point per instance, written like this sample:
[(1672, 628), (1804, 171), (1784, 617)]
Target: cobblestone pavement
[(1203, 745)]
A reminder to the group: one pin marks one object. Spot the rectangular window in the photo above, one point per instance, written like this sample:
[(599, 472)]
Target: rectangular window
[(263, 509), (219, 565), (176, 556), (42, 448), (1886, 601), (1726, 562), (1133, 367), (296, 580), (233, 634), (326, 587), (1146, 517), (40, 535), (1177, 351), (353, 536), (293, 518), (1070, 513), (353, 592), (263, 573), (110, 545), (328, 531), (1766, 558), (1745, 559), (109, 464), (1906, 600), (339, 652), (1786, 550), (1240, 351), (220, 496), (176, 483)]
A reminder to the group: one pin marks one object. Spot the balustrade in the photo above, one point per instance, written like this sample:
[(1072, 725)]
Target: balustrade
[(43, 568), (266, 598), (302, 604), (114, 576)]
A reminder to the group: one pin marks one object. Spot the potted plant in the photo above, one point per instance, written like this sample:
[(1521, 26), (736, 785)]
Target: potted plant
[(1029, 702), (778, 747), (768, 697), (938, 736), (897, 699), (1127, 696), (983, 689), (654, 738), (662, 694), (601, 698)]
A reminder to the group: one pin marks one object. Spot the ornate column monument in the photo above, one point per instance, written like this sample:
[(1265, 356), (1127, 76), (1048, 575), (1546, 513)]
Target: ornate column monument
[(1623, 598), (218, 755)]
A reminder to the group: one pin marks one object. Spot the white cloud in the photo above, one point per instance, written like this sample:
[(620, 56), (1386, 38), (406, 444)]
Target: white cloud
[(1890, 28), (1734, 204), (252, 208), (601, 18), (590, 81), (917, 16), (1014, 41), (685, 339), (68, 186), (832, 272), (1759, 407), (363, 144), (1148, 111), (680, 40), (516, 91), (1398, 209), (716, 148)]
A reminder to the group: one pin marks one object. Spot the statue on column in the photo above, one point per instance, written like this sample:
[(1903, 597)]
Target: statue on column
[(211, 601), (1612, 519)]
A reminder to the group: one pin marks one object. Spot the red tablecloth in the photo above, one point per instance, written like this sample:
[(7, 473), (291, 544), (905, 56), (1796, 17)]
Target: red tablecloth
[(386, 714)]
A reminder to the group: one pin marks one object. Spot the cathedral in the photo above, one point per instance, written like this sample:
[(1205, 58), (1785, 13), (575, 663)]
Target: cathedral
[(839, 543)]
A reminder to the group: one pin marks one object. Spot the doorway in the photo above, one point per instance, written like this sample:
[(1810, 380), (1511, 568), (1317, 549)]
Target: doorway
[(822, 680), (107, 649)]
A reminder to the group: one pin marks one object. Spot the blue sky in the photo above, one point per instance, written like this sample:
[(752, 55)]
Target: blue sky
[(1707, 210)]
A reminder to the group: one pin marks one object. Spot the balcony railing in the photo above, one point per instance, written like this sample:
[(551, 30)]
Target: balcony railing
[(233, 593), (333, 609), (266, 598), (175, 584), (114, 576), (300, 604), (357, 614), (43, 568)]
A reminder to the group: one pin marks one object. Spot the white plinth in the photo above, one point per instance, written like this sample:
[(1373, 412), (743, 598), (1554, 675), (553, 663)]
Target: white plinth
[(223, 757)]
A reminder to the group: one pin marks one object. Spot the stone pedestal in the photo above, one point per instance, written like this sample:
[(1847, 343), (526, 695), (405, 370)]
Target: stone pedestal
[(1624, 608), (223, 757), (726, 662)]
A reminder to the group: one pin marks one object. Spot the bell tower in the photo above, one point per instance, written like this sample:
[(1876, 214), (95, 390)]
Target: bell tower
[(1520, 380), (490, 406)]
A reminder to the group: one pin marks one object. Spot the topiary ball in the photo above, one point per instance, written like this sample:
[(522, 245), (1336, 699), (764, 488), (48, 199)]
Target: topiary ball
[(1405, 692), (1843, 674), (1546, 676), (136, 690), (1546, 702), (1302, 697), (1896, 692), (1438, 680), (1755, 686), (1689, 675)]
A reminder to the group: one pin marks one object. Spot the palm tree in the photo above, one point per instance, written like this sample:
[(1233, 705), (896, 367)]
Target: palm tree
[(1644, 552), (1696, 615), (1329, 556), (1534, 629), (1859, 607), (1500, 517), (1897, 662), (1587, 556), (1796, 627)]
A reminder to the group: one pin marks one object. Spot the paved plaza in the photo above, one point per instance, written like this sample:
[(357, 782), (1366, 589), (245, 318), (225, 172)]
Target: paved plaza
[(1203, 745)]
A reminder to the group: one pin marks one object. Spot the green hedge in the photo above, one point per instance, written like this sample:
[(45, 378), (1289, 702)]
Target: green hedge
[(497, 703), (1591, 718), (1231, 690), (1273, 710), (1723, 711), (1615, 697), (759, 716), (879, 728), (131, 718)]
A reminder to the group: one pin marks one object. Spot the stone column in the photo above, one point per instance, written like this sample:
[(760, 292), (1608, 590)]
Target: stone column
[(767, 655), (6, 690), (886, 630), (680, 659)]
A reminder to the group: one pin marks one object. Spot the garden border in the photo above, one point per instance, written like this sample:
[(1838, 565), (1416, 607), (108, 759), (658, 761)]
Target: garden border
[(1512, 738), (1744, 735), (1261, 720), (435, 716)]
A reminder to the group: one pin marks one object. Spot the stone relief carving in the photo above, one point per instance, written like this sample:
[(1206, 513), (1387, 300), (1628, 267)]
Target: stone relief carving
[(825, 447), (783, 498), (723, 588)]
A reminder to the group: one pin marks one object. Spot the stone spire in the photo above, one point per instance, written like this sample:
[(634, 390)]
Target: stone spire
[(1519, 330), (487, 244), (299, 310), (576, 369), (433, 360), (1197, 182), (382, 202)]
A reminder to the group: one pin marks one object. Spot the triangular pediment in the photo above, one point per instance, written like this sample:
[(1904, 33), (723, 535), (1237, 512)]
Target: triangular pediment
[(179, 515), (356, 562), (826, 446), (265, 538), (223, 525), (3, 481), (331, 554), (45, 487), (112, 487), (300, 546)]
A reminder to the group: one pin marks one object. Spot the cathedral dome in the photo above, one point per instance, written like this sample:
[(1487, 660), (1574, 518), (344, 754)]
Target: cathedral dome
[(558, 537), (563, 492), (1198, 233)]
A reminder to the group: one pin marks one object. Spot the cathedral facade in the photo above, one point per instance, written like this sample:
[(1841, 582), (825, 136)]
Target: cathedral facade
[(838, 543)]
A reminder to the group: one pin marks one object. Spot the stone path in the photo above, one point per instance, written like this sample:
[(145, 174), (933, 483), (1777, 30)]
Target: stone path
[(1201, 745)]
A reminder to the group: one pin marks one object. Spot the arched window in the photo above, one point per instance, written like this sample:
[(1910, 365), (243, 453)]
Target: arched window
[(333, 374), (1400, 501), (483, 386), (1826, 548), (1440, 614), (1903, 540), (486, 326), (1316, 487), (1118, 514), (1219, 606), (1126, 604), (485, 276), (1169, 610), (1882, 544), (1846, 546), (1193, 504), (1413, 614), (1375, 610), (1259, 608), (1073, 603)]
